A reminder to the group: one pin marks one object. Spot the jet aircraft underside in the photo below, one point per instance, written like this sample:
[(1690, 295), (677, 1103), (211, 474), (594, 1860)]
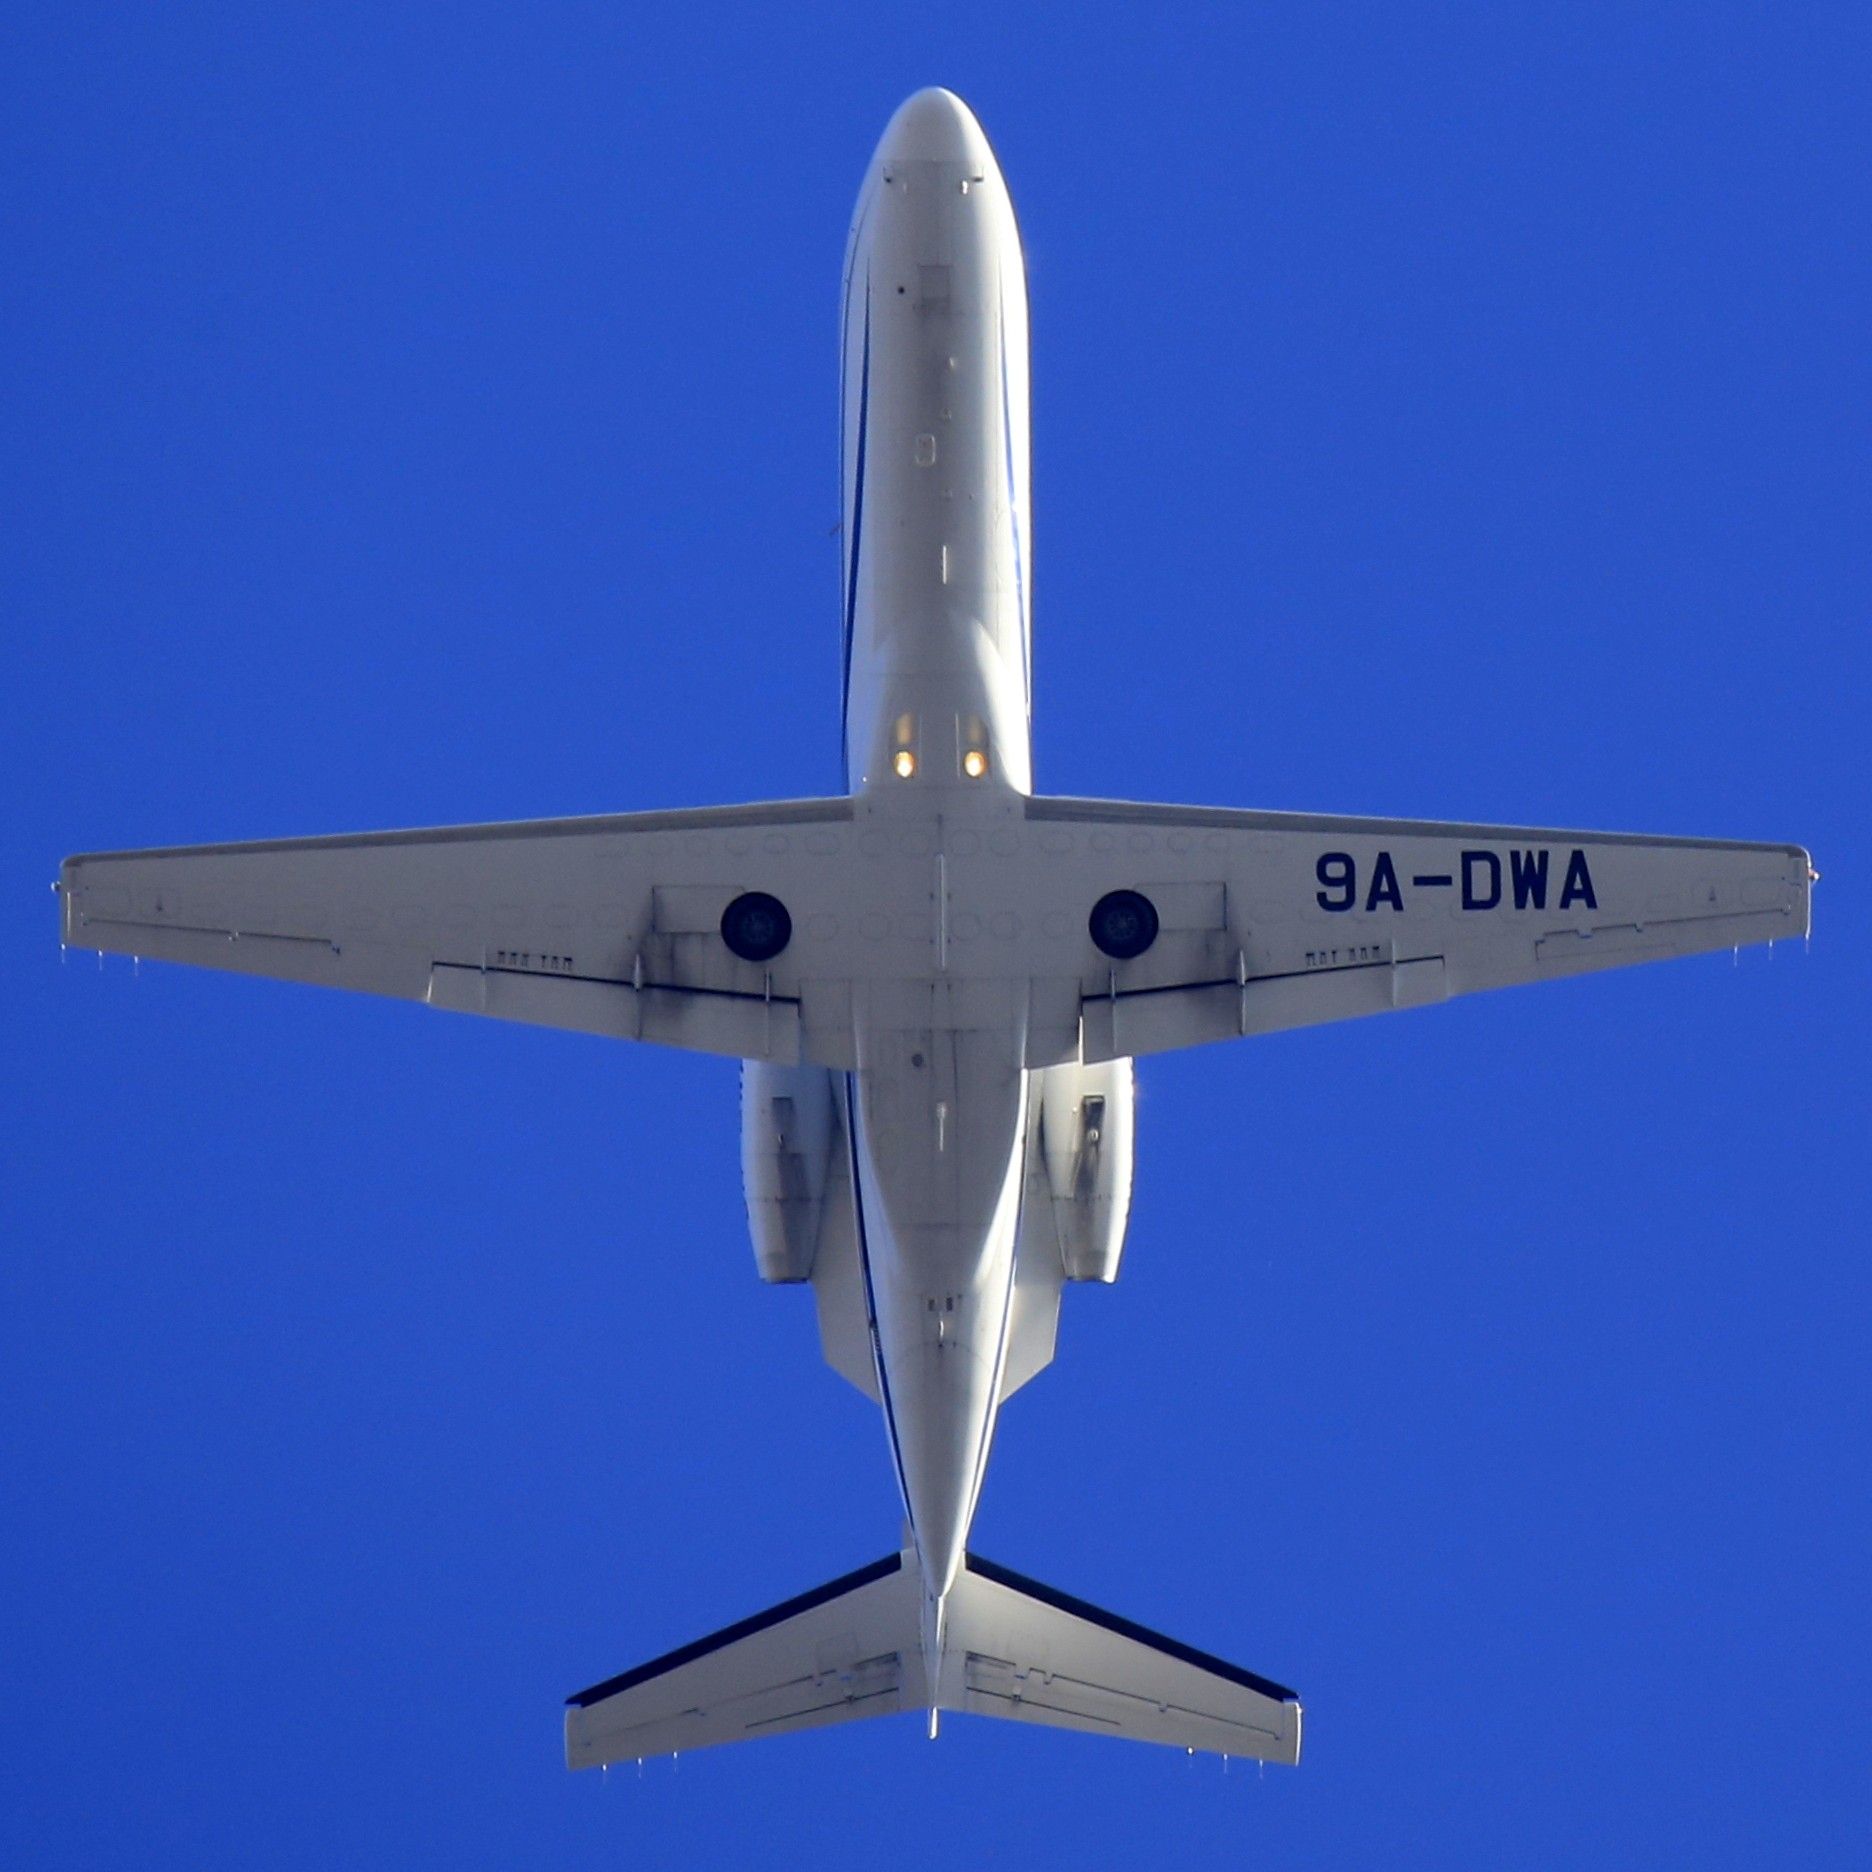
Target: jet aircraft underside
[(938, 982)]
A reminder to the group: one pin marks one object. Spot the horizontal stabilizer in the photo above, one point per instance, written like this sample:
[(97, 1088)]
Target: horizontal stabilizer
[(1017, 1649), (847, 1649), (1010, 1648)]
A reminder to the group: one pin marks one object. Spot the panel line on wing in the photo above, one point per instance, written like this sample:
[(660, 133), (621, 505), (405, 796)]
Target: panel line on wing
[(760, 996), (1279, 975), (223, 932)]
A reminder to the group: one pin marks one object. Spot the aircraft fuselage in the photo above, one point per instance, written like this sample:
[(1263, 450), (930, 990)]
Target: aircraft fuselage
[(935, 719)]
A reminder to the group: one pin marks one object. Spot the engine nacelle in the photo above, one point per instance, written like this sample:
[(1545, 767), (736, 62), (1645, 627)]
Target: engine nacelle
[(787, 1128), (1087, 1120)]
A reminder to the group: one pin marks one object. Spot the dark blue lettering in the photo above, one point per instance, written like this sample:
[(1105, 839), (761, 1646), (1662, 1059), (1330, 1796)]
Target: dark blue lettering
[(1527, 872), (1474, 862), (1578, 883), (1339, 875), (1384, 886)]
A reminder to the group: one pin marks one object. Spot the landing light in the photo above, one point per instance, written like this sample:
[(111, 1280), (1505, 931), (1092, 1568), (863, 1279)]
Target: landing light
[(1124, 924), (974, 763), (756, 926), (904, 763)]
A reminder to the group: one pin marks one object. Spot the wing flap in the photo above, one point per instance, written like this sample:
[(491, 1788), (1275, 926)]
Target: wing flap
[(738, 1026)]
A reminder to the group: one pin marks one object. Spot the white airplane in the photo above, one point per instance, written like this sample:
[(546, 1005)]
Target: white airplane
[(938, 982)]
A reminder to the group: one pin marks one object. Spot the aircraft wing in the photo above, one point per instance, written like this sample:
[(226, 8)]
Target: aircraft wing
[(1274, 920), (601, 925), (614, 925)]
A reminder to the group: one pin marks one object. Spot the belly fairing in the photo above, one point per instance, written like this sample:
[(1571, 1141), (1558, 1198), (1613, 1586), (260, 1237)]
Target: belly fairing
[(938, 1123)]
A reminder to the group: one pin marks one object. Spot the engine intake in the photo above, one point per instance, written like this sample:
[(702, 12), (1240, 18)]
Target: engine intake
[(1086, 1130), (787, 1128)]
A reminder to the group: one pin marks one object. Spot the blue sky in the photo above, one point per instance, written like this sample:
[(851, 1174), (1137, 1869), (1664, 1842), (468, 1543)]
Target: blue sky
[(428, 414)]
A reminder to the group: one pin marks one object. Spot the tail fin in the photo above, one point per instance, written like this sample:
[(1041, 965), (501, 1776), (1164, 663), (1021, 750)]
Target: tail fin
[(1010, 1647)]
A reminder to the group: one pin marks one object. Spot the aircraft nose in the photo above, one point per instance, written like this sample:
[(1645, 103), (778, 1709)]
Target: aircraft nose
[(934, 126)]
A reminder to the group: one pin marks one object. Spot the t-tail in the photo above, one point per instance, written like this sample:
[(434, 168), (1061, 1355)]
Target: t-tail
[(873, 1643)]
